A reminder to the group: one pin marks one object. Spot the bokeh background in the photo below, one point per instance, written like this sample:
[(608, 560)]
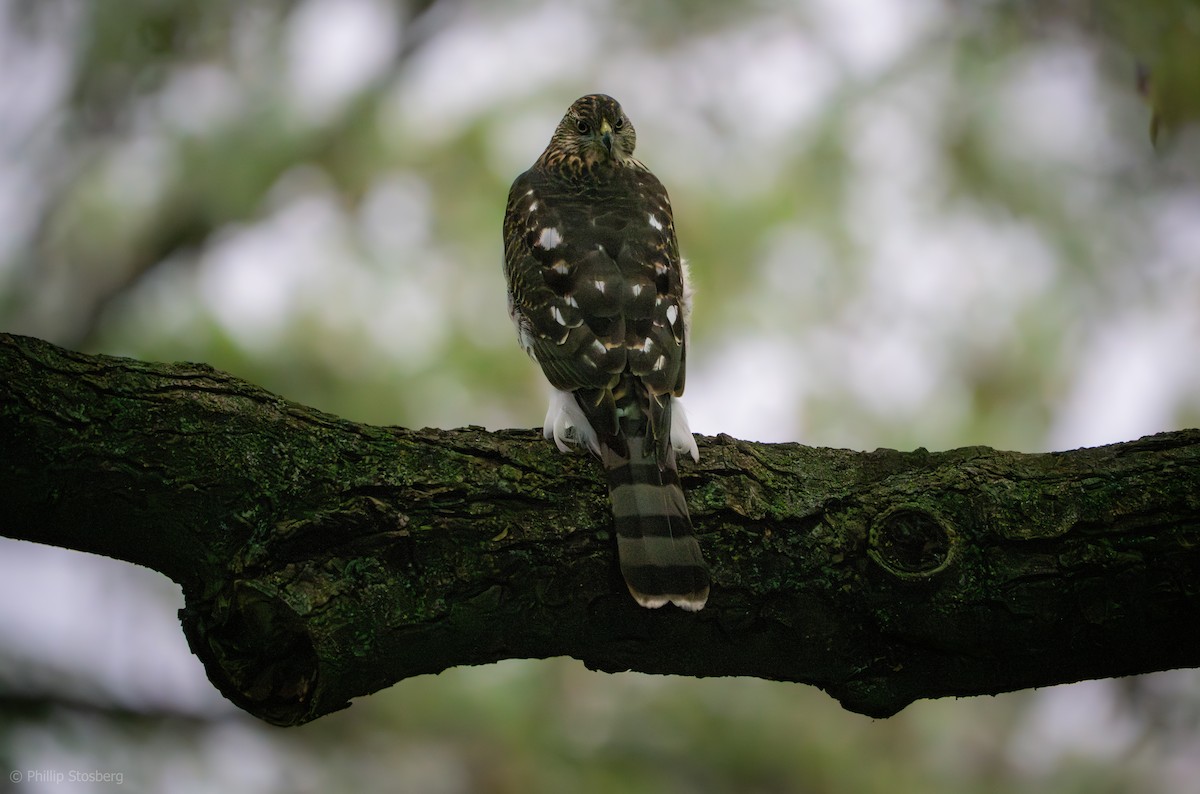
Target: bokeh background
[(919, 223)]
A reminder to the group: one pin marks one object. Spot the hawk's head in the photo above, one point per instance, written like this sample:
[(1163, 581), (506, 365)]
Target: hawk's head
[(595, 130)]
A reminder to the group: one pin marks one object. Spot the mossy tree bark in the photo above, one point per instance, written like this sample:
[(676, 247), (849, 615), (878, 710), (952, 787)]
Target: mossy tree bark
[(322, 560)]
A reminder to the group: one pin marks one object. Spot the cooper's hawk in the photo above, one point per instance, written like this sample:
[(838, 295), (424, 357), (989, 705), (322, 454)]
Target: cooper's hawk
[(600, 300)]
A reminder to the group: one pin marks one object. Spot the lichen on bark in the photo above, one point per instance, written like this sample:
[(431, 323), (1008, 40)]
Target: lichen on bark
[(323, 560)]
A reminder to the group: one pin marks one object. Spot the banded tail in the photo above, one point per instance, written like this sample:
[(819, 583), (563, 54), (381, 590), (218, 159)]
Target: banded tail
[(660, 557), (636, 436)]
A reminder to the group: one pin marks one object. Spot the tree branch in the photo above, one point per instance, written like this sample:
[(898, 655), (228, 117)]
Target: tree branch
[(322, 560)]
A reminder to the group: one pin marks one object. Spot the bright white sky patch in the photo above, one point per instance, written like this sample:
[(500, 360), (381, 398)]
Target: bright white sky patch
[(1081, 720), (1052, 108), (489, 55), (334, 48), (870, 35), (135, 654), (199, 98), (396, 215), (1130, 378), (750, 387), (255, 278)]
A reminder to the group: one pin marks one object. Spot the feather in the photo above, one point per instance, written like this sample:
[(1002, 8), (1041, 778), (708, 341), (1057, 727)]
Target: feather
[(600, 299)]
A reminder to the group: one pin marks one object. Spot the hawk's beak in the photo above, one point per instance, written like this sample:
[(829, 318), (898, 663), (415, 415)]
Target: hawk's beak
[(606, 136)]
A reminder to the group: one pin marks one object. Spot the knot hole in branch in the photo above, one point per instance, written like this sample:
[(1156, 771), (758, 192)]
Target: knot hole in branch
[(911, 542)]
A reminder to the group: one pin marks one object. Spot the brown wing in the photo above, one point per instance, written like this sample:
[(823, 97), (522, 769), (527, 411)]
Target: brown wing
[(595, 279)]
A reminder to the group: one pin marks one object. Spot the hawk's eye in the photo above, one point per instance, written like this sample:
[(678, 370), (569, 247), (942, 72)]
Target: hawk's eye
[(619, 124), (583, 127)]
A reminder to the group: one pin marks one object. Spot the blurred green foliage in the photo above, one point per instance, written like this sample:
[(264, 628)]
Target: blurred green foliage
[(909, 224)]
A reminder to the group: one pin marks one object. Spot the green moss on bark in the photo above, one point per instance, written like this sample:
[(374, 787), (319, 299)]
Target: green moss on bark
[(322, 560)]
